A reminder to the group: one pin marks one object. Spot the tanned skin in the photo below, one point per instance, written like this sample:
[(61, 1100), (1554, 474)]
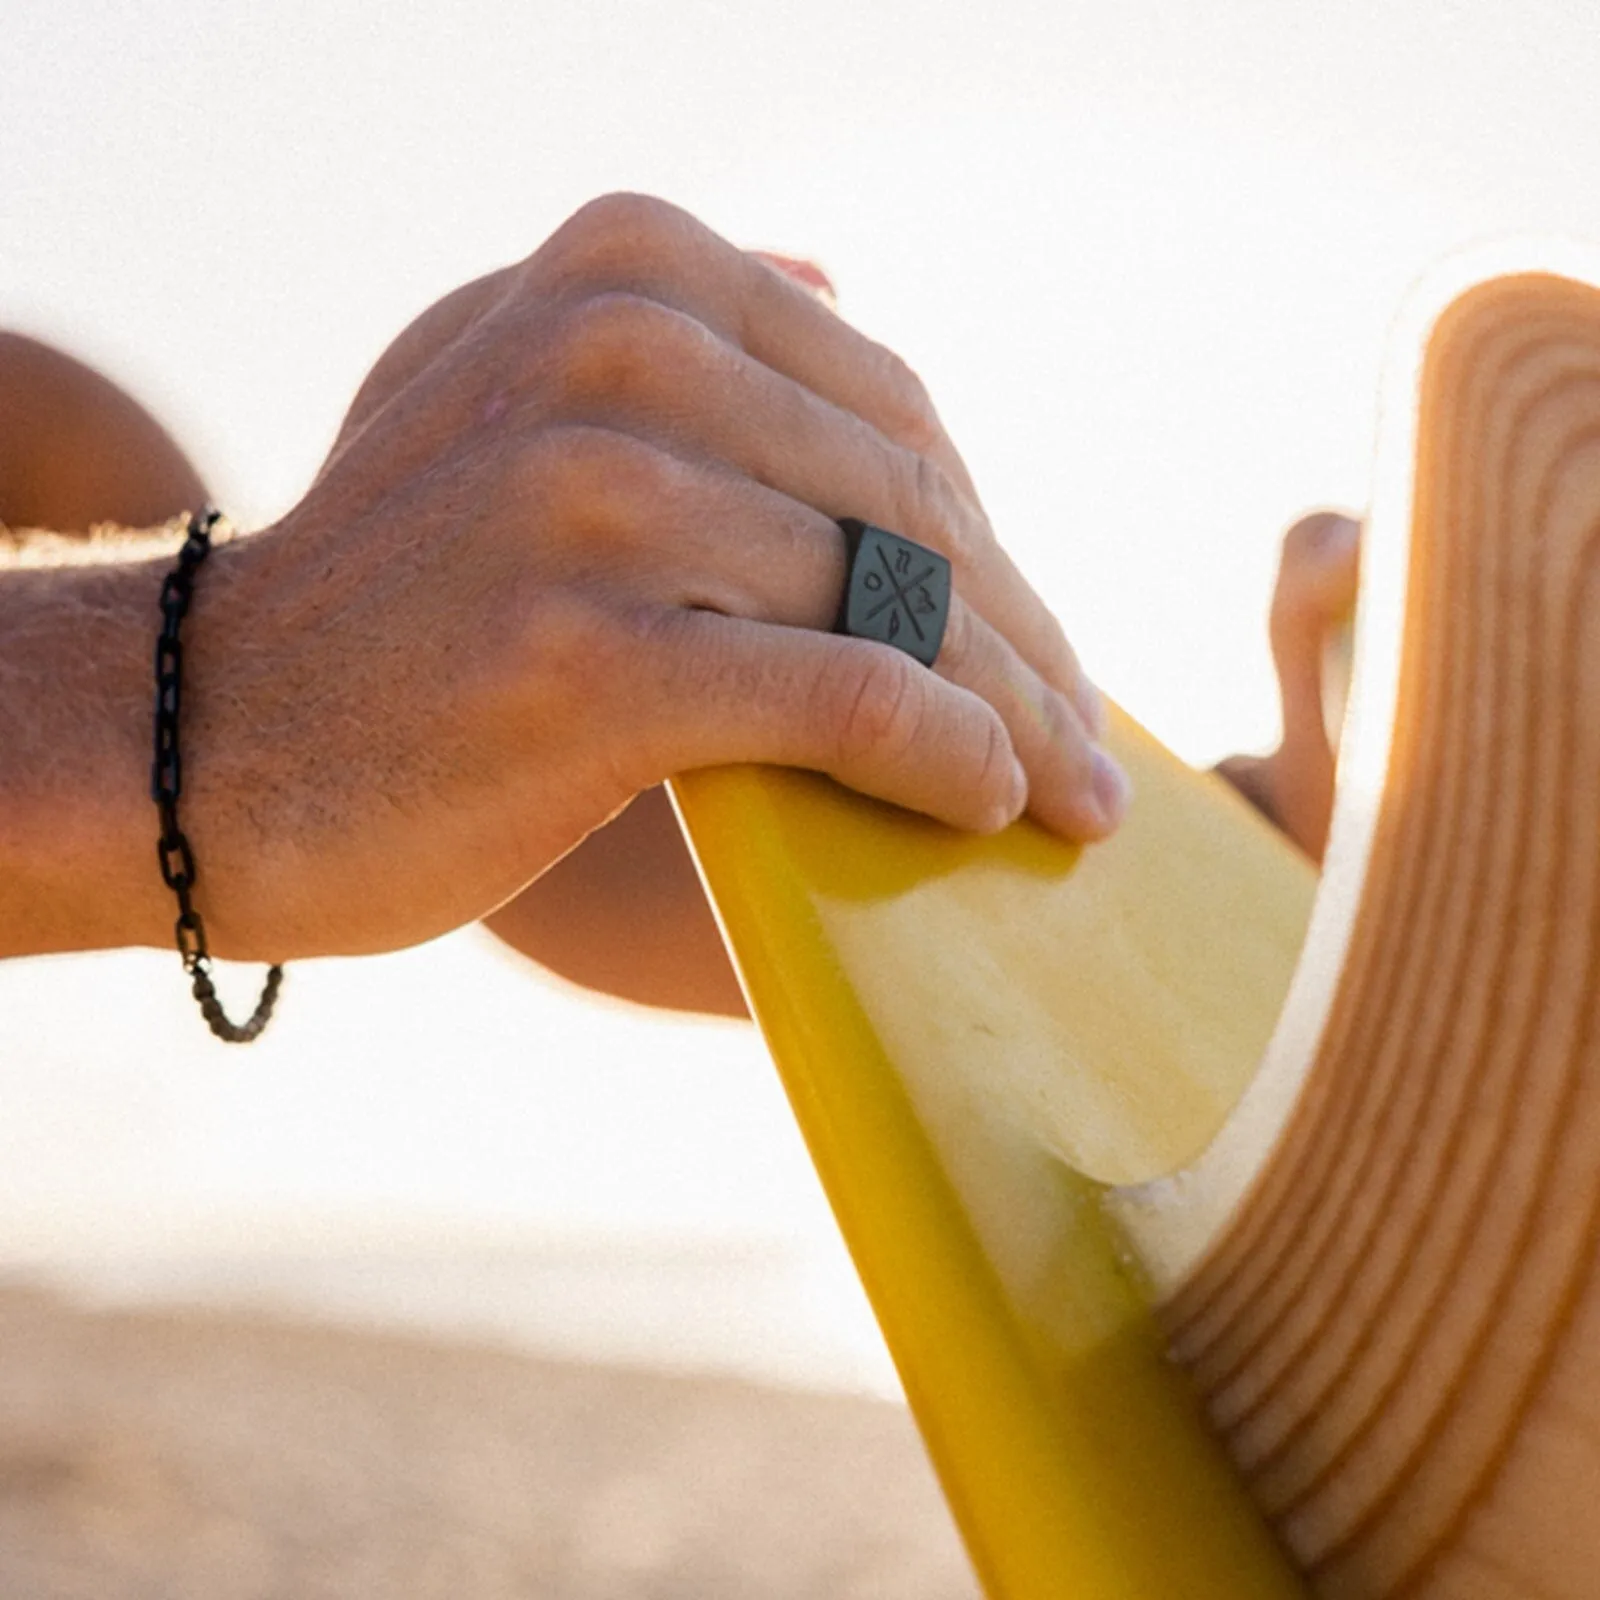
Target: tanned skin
[(577, 533), (1314, 598), (76, 450), (623, 912)]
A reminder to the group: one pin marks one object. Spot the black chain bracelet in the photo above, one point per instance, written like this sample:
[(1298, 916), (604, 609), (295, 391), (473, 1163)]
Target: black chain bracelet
[(166, 784)]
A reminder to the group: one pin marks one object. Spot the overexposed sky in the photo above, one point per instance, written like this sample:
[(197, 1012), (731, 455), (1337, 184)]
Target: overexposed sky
[(1146, 256)]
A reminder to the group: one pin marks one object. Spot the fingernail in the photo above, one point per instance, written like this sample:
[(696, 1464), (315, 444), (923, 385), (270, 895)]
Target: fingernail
[(803, 271), (1112, 790)]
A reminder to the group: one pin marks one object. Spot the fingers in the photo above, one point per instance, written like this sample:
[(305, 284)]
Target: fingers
[(1315, 594), (635, 243), (660, 372), (1318, 569), (1075, 788), (728, 690), (710, 539), (639, 321), (779, 322)]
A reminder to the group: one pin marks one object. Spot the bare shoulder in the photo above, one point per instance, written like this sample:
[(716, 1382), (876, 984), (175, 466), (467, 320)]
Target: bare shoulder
[(76, 449)]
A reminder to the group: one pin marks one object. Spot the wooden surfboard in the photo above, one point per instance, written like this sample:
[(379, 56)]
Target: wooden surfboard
[(1230, 1241)]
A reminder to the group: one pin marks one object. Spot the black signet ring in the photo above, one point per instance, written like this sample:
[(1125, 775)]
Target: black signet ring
[(897, 591)]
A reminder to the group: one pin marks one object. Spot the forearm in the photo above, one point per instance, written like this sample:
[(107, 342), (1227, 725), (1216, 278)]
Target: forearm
[(624, 913), (78, 867)]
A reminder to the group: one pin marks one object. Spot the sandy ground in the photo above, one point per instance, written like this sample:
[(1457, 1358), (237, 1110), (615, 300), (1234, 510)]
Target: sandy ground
[(233, 1457)]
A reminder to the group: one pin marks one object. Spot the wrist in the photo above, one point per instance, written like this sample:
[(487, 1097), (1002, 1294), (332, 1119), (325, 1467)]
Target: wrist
[(78, 829)]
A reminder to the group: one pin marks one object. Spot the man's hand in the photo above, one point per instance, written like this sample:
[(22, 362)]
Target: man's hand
[(577, 535)]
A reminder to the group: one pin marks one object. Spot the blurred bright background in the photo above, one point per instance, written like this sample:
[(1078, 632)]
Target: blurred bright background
[(1146, 256)]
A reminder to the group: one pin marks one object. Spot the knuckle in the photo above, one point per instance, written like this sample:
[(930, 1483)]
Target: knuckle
[(1058, 661), (880, 707), (619, 233), (1064, 733), (574, 644), (976, 656), (580, 474), (612, 344), (914, 420), (562, 633), (998, 754), (926, 499), (625, 211), (956, 648), (529, 631)]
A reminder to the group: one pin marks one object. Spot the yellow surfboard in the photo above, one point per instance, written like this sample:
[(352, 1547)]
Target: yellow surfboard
[(978, 1036)]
